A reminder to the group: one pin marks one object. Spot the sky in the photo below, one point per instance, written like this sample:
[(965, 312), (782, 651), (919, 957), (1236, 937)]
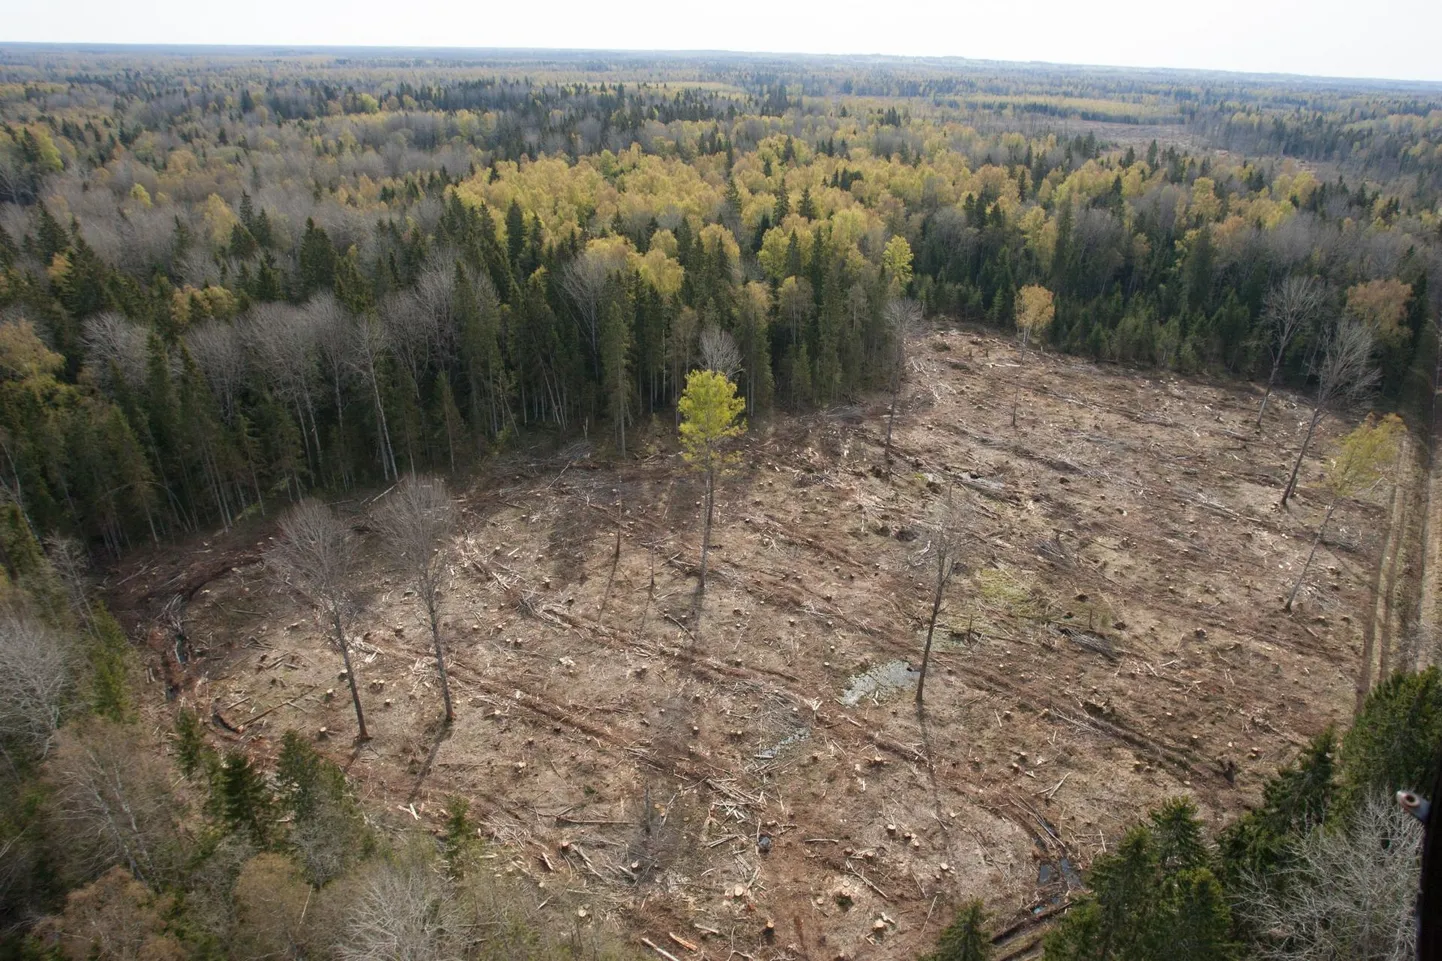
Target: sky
[(1389, 39)]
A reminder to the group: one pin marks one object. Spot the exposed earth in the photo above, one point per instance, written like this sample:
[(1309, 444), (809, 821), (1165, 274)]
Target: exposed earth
[(1116, 636)]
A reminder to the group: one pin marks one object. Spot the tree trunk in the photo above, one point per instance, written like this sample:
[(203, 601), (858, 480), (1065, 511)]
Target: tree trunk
[(931, 628), (891, 421), (440, 657), (1271, 380), (1313, 553), (1306, 443), (388, 457), (706, 526), (350, 676)]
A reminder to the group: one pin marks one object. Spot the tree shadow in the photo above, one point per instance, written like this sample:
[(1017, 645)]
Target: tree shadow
[(443, 734)]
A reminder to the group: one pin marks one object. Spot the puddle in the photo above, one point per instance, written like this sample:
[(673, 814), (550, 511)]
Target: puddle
[(1047, 873), (881, 680)]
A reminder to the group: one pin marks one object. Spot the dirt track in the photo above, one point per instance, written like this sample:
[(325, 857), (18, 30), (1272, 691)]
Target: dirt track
[(1117, 637)]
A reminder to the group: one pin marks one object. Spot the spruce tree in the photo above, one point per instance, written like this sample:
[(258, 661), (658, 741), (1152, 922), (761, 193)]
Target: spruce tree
[(965, 939)]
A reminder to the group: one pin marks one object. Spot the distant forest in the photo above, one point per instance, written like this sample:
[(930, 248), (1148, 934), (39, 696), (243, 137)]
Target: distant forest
[(228, 278)]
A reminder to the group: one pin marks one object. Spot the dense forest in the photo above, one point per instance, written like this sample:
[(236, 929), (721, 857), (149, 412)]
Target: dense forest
[(229, 280)]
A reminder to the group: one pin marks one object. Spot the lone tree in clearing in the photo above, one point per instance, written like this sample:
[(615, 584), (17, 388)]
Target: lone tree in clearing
[(1345, 372), (415, 519), (947, 531), (1362, 461), (1290, 306), (316, 556), (709, 411)]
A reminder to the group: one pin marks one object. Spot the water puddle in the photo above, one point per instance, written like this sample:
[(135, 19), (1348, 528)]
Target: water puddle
[(880, 680)]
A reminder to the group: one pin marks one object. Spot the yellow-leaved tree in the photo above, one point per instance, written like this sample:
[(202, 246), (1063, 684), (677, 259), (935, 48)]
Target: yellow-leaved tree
[(709, 417), (1035, 310), (896, 263), (1382, 306), (1364, 458)]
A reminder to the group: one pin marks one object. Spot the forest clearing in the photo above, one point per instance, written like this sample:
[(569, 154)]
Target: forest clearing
[(756, 778)]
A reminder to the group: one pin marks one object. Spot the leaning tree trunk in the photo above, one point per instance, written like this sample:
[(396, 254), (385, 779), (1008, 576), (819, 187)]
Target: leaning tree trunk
[(350, 676), (440, 658), (1271, 380), (1306, 443), (1311, 554), (930, 631)]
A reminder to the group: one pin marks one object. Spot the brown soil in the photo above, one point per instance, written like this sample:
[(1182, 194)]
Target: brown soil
[(1116, 638)]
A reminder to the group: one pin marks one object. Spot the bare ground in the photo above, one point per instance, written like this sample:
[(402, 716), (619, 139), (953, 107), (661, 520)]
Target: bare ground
[(1116, 638)]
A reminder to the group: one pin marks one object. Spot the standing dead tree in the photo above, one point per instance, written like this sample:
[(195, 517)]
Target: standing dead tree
[(948, 529), (316, 556), (415, 519), (903, 320), (1345, 372), (1290, 306)]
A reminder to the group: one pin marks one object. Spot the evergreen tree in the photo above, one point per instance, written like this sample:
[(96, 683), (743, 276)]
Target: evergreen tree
[(1392, 745), (241, 799), (317, 260), (965, 939)]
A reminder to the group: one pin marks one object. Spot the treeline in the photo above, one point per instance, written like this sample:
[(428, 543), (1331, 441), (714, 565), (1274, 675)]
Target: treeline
[(1326, 866), (209, 305)]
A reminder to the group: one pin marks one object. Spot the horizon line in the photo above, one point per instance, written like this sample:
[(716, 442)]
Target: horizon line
[(297, 47)]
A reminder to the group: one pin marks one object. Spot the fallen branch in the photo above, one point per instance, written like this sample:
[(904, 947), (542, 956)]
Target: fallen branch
[(867, 881), (659, 950)]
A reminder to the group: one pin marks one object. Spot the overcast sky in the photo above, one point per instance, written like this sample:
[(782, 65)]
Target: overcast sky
[(1396, 39)]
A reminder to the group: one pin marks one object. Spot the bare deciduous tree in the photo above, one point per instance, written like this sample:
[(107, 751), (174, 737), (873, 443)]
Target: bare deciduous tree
[(1345, 372), (1290, 306), (903, 319), (36, 678), (415, 519), (1350, 893), (584, 280), (948, 531), (112, 802), (115, 347), (220, 354), (283, 341), (720, 353), (404, 910), (316, 556)]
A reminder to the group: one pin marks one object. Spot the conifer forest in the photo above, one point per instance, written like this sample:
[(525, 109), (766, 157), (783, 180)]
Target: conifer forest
[(479, 504)]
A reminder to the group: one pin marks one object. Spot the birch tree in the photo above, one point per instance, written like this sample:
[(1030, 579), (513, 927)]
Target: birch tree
[(1361, 462), (316, 556), (903, 319), (1290, 307), (1345, 372), (948, 530), (415, 518)]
